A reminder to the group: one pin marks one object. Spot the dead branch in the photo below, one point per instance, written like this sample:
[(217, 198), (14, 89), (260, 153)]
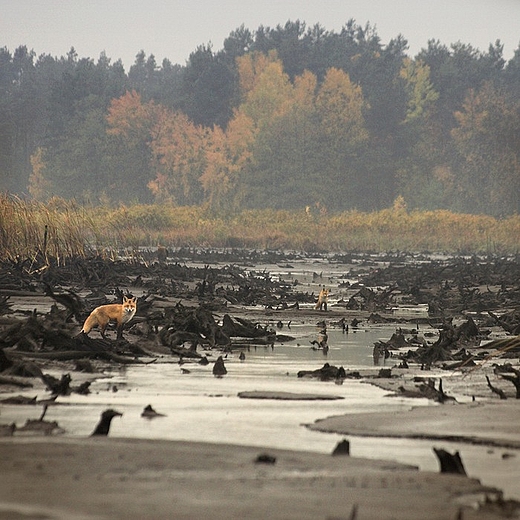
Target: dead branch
[(496, 390)]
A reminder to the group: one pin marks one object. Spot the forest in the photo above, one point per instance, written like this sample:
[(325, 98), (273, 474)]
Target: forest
[(287, 118)]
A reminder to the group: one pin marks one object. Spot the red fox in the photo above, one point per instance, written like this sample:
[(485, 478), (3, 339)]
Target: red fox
[(120, 312), (322, 299)]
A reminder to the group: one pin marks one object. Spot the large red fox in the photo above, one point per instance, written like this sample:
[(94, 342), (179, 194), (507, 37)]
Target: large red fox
[(120, 312)]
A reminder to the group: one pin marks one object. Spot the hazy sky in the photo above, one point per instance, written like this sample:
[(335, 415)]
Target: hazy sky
[(174, 28)]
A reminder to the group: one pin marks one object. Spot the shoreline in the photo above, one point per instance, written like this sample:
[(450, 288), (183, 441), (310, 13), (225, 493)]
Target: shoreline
[(131, 478), (112, 477), (475, 424)]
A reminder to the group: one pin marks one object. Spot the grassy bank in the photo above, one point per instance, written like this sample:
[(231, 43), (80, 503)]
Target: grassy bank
[(62, 229)]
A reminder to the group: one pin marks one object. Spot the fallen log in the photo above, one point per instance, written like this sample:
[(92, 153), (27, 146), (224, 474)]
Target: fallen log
[(260, 340), (185, 352), (426, 389), (326, 373), (286, 396), (88, 354), (242, 328), (56, 356), (15, 381), (512, 328)]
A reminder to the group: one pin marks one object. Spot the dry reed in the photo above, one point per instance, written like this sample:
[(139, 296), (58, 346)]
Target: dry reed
[(62, 229)]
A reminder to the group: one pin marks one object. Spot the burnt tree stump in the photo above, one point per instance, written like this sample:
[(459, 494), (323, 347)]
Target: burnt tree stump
[(450, 462), (513, 379)]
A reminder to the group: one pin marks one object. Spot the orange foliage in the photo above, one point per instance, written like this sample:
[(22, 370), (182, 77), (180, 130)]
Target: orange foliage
[(305, 89), (228, 153), (129, 117), (179, 148), (250, 67)]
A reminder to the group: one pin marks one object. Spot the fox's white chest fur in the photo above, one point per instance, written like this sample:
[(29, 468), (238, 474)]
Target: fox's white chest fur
[(128, 314)]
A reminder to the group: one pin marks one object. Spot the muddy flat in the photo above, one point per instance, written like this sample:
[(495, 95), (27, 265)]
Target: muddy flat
[(112, 478), (494, 424)]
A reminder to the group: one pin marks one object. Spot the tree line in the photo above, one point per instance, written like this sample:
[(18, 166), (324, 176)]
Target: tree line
[(284, 118)]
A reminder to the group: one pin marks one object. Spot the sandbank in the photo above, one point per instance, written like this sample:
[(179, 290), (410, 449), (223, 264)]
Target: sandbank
[(111, 478)]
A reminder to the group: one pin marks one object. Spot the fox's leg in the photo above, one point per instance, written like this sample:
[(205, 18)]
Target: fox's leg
[(102, 329)]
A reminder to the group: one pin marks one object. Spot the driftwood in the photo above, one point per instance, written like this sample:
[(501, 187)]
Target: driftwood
[(510, 323), (451, 338), (20, 399), (515, 379), (439, 395), (15, 381), (175, 339), (70, 300), (5, 362), (372, 300), (326, 373), (85, 354), (248, 342), (41, 427), (496, 390), (186, 352), (242, 328), (7, 430), (58, 386), (198, 321), (427, 389), (22, 367)]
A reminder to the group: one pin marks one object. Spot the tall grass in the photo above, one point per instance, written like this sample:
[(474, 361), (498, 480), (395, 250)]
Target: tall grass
[(62, 229), (30, 229)]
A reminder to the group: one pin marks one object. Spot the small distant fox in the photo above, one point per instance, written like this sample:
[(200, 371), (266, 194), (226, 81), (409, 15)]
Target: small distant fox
[(322, 299), (120, 312)]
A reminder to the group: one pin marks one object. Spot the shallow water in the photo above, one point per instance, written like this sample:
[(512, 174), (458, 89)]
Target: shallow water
[(200, 407)]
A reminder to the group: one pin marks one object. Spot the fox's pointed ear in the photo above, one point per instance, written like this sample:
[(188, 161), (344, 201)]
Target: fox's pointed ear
[(125, 299)]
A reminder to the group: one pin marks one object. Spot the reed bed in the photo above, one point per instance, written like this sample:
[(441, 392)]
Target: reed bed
[(62, 230), (30, 229)]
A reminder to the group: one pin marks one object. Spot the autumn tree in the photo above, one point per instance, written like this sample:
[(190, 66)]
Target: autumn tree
[(265, 87), (488, 138), (179, 154), (228, 156), (340, 108), (306, 136), (286, 161), (281, 114), (425, 177), (130, 123)]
